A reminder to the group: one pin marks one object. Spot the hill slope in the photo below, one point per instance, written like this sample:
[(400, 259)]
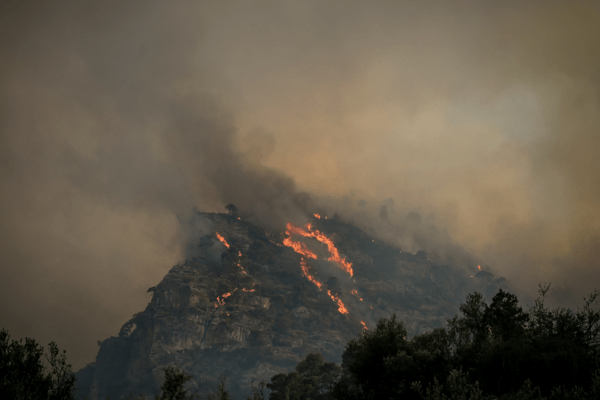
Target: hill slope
[(248, 306)]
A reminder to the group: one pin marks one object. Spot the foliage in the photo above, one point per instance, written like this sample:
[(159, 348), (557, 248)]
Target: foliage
[(23, 376), (172, 388), (313, 379), (498, 349), (258, 391), (383, 364), (222, 393), (458, 386)]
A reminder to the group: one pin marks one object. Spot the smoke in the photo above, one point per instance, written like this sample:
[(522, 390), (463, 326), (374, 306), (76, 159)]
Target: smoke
[(481, 118)]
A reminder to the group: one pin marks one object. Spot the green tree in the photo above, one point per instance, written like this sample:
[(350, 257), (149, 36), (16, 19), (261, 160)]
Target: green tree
[(173, 386), (313, 379), (23, 376), (505, 317), (376, 365), (222, 393)]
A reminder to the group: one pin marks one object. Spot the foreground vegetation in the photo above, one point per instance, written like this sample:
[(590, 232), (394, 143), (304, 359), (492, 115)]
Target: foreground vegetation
[(491, 351)]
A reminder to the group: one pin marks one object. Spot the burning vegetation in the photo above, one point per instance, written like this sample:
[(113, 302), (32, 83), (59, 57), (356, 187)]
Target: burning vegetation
[(335, 255), (341, 307), (222, 239), (301, 249)]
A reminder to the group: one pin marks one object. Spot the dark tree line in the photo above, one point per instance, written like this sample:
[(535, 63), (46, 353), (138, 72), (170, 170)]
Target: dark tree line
[(496, 350), (490, 351)]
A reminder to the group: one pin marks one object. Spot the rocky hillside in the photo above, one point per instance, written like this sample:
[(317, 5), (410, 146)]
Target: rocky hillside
[(250, 304)]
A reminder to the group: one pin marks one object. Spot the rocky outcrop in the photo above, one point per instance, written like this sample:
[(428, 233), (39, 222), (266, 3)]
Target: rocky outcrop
[(247, 312)]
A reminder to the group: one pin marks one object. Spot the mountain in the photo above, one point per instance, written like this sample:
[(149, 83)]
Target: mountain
[(248, 304)]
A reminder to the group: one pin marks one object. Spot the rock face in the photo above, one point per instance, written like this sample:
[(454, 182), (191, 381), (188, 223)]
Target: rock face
[(248, 311)]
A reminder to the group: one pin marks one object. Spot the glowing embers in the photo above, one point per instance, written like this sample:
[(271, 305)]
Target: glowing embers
[(221, 299), (364, 325), (307, 274), (341, 306), (479, 266), (240, 265), (335, 255), (317, 216), (222, 239), (354, 292), (248, 290)]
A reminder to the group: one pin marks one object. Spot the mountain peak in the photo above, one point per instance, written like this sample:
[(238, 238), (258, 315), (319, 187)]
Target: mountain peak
[(246, 304)]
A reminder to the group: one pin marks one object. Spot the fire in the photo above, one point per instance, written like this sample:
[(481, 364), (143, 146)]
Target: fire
[(240, 253), (335, 256), (479, 266), (248, 290), (222, 240), (355, 292), (364, 325), (221, 301), (318, 216), (299, 247), (307, 274), (341, 306)]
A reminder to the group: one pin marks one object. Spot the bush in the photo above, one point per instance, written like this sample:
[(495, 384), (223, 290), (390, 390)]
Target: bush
[(22, 375)]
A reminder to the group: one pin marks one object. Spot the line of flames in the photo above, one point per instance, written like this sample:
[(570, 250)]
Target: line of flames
[(307, 274), (341, 306), (222, 239), (335, 255), (299, 247)]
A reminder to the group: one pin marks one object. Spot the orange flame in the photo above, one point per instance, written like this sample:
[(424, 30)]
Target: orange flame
[(479, 266), (240, 253), (318, 216), (248, 290), (221, 301), (335, 256), (364, 325), (307, 274), (299, 247), (341, 306), (355, 292), (222, 240)]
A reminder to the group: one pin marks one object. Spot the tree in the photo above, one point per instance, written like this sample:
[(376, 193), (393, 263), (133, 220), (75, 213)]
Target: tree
[(222, 393), (376, 364), (232, 209), (505, 317), (173, 387), (23, 376), (313, 379)]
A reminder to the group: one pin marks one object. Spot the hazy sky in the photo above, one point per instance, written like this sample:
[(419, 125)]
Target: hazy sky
[(483, 117)]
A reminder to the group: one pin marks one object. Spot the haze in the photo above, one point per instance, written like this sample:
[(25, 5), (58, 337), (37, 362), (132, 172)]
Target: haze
[(118, 116)]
